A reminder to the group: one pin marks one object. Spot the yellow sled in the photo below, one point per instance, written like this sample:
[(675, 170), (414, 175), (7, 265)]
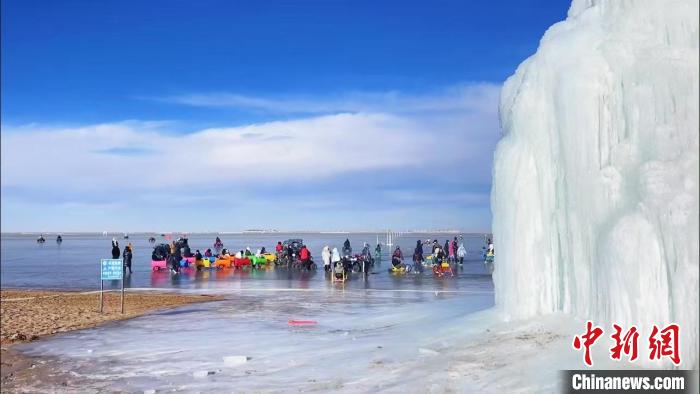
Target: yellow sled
[(400, 270), (203, 263), (270, 257)]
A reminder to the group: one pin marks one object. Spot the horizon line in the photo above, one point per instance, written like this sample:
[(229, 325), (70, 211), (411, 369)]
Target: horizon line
[(424, 231)]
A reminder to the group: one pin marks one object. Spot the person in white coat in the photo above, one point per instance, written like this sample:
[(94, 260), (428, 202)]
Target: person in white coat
[(335, 257), (461, 252), (326, 257)]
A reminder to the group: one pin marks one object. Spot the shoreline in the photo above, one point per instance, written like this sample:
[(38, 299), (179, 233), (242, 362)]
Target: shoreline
[(32, 314)]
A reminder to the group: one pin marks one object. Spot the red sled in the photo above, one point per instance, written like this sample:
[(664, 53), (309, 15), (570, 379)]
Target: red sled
[(239, 263)]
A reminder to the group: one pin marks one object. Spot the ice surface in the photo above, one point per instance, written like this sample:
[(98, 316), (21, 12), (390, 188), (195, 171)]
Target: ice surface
[(363, 342), (595, 196)]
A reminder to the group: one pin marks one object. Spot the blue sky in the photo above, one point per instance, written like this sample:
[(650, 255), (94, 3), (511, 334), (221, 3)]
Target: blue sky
[(219, 115)]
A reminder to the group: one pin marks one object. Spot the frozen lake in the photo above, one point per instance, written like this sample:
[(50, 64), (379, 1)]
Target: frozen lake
[(74, 264), (381, 332)]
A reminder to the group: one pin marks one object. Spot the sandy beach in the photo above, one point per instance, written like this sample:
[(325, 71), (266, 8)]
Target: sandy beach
[(28, 315)]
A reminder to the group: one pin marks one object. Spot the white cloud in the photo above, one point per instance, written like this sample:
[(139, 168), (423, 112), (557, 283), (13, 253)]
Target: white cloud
[(481, 97), (392, 138), (89, 157)]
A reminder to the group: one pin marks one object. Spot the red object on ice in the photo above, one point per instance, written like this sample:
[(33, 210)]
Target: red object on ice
[(302, 322), (239, 263)]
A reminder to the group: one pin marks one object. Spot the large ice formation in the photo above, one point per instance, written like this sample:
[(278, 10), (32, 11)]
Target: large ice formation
[(595, 196)]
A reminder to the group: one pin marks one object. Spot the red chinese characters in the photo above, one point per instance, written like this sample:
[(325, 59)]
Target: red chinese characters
[(664, 343), (626, 344), (592, 334)]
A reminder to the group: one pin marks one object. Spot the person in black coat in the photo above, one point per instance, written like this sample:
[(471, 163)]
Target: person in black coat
[(115, 249), (176, 256), (127, 255)]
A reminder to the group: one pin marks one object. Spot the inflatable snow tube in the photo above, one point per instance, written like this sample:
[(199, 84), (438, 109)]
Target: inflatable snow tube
[(270, 257), (399, 270), (258, 260), (238, 263), (223, 263), (157, 265), (203, 263)]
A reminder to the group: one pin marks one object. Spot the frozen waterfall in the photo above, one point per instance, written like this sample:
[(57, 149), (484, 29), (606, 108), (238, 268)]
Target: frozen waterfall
[(595, 196)]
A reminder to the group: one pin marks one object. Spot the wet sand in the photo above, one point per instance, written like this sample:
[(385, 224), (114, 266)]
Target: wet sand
[(28, 315)]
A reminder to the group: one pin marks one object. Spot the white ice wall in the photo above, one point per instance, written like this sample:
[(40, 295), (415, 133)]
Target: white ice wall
[(595, 196)]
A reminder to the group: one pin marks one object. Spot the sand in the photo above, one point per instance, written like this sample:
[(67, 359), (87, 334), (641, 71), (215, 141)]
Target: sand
[(28, 315)]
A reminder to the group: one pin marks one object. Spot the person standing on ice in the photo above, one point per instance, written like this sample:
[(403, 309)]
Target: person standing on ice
[(451, 250), (115, 248), (461, 252), (305, 257), (365, 251), (419, 249), (174, 257), (278, 251), (347, 249), (418, 256), (335, 257), (127, 255), (438, 254), (290, 253), (326, 257)]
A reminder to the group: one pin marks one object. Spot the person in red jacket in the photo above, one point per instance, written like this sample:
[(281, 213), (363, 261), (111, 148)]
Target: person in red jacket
[(278, 252), (305, 257)]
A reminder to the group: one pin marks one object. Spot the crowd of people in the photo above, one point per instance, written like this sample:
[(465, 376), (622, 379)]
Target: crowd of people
[(452, 251)]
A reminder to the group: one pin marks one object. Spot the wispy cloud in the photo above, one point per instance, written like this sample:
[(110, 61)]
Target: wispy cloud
[(125, 151), (303, 148), (468, 97)]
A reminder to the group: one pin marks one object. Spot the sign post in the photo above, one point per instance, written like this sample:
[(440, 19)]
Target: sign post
[(111, 269)]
